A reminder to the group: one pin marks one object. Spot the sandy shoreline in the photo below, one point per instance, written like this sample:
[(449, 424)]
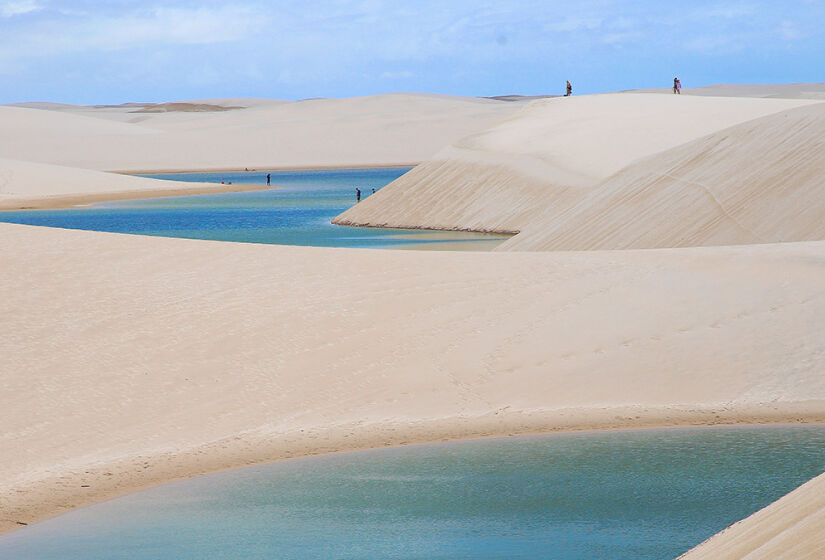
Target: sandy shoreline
[(263, 169), (60, 201), (200, 356), (41, 501), (70, 201)]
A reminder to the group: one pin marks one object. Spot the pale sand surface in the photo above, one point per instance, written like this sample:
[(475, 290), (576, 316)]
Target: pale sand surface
[(776, 91), (37, 185), (791, 528), (758, 182), (547, 158), (153, 359), (375, 130)]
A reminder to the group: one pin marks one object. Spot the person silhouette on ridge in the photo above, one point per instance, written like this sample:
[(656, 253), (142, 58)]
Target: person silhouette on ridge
[(677, 86)]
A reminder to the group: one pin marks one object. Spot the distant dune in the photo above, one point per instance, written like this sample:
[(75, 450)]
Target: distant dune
[(775, 91), (377, 130), (757, 182), (185, 108), (547, 158)]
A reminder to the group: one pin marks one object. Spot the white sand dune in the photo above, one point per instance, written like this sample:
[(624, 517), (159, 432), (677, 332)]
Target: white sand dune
[(376, 130), (153, 359), (757, 182), (546, 158), (792, 528), (775, 91), (37, 185)]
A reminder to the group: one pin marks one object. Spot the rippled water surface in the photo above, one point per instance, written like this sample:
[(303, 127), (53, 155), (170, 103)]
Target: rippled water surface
[(638, 494), (297, 212)]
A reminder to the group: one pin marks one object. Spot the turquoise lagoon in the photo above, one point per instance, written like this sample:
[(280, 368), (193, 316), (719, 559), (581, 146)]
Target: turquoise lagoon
[(298, 212), (613, 495)]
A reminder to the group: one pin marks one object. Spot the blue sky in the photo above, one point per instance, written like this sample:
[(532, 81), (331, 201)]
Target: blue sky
[(113, 51)]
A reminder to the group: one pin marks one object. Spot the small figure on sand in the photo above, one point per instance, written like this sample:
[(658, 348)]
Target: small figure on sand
[(677, 86), (268, 178), (569, 89), (357, 194)]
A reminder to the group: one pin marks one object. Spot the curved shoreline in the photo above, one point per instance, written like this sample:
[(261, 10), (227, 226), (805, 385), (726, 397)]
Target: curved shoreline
[(261, 169), (56, 202), (71, 201), (101, 481)]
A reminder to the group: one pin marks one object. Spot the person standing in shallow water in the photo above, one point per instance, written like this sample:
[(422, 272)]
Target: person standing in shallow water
[(569, 89), (677, 86), (268, 177), (357, 194)]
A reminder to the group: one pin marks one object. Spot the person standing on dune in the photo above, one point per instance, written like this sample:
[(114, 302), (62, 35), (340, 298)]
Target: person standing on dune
[(569, 89), (677, 86)]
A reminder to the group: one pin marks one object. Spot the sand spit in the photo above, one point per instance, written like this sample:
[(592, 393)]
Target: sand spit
[(789, 529), (757, 182), (376, 130), (128, 361), (548, 157), (25, 185)]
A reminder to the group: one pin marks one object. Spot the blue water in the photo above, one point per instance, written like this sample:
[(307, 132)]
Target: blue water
[(637, 495), (297, 213)]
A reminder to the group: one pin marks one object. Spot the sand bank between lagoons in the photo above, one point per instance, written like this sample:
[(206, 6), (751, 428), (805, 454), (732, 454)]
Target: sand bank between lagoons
[(27, 185), (129, 361), (71, 201)]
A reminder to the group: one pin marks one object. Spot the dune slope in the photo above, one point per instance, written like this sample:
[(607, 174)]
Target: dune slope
[(129, 360), (546, 158), (758, 182), (792, 528)]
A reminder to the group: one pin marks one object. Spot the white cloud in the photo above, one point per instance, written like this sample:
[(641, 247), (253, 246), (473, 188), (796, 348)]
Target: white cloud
[(618, 39), (18, 7), (152, 27), (729, 10), (789, 31), (575, 23), (715, 44)]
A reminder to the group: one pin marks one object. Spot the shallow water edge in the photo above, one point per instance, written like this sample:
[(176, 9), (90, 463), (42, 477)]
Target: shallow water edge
[(645, 493), (63, 491)]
